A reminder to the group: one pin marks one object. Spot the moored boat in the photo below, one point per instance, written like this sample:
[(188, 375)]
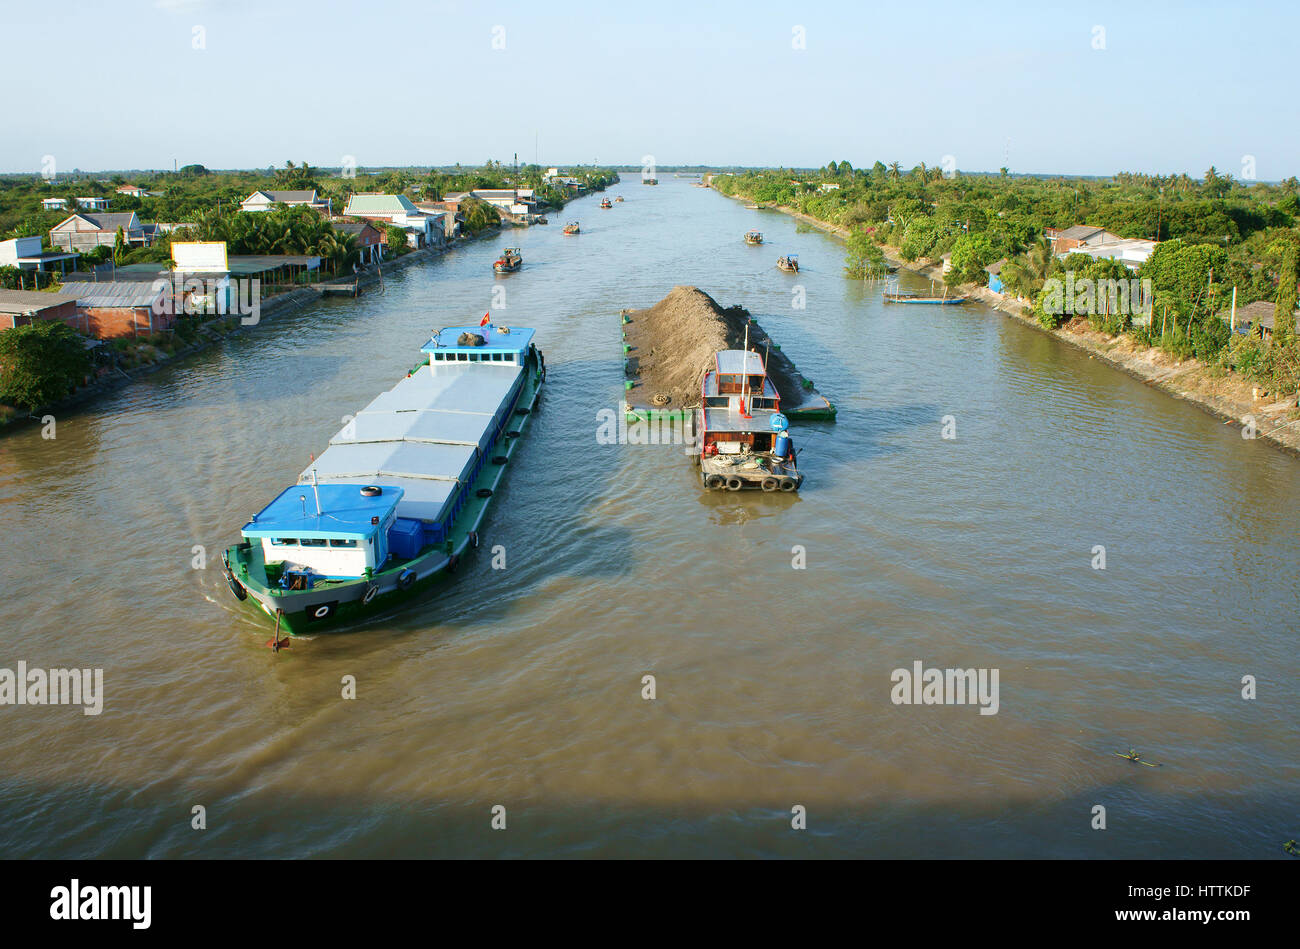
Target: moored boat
[(789, 263), (753, 237), (398, 497), (619, 199), (571, 227), (908, 296), (742, 434), (509, 261), (605, 203)]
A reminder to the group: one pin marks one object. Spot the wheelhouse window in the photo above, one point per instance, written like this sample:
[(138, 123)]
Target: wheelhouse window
[(338, 542), (313, 541), (284, 541)]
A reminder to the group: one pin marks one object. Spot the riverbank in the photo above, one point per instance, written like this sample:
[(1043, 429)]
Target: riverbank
[(1228, 395), (217, 330)]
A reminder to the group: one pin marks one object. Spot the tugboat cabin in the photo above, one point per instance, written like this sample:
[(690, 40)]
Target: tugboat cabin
[(736, 389), (325, 531)]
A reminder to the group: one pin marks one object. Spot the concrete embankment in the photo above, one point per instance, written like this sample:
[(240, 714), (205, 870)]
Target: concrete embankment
[(1228, 396)]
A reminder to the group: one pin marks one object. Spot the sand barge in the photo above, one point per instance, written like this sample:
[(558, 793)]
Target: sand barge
[(670, 346)]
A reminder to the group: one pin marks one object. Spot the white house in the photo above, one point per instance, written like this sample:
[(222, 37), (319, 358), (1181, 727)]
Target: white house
[(265, 200), (54, 204), (26, 254), (93, 204), (1131, 252), (426, 230)]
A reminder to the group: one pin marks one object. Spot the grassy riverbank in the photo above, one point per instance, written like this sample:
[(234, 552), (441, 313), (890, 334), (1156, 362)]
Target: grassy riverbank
[(1237, 399)]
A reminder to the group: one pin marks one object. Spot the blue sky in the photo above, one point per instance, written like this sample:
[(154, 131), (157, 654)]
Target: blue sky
[(1177, 87)]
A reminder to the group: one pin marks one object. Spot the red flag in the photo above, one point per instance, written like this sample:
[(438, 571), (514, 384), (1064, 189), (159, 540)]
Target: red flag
[(484, 321)]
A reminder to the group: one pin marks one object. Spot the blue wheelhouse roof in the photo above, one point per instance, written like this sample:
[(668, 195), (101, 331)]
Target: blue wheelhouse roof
[(345, 512), (500, 339)]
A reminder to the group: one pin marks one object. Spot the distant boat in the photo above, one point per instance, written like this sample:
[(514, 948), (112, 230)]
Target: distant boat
[(649, 181), (789, 263), (571, 227), (751, 207), (605, 203), (509, 261), (908, 296), (542, 220), (753, 237), (618, 199)]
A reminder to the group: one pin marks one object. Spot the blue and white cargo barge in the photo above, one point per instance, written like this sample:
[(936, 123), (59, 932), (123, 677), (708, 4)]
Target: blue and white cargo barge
[(394, 502)]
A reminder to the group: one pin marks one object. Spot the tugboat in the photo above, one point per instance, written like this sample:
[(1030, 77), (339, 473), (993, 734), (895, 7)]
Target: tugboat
[(604, 203), (397, 499), (753, 237), (742, 433), (619, 199), (509, 261), (789, 263), (571, 227)]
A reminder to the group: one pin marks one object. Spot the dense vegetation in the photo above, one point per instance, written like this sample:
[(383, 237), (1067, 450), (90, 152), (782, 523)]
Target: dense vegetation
[(210, 200), (41, 363), (1218, 233)]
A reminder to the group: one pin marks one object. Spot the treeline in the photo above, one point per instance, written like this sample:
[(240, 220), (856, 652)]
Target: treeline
[(186, 195), (1218, 234)]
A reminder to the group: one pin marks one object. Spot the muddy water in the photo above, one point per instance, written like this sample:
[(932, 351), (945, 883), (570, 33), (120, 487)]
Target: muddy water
[(523, 687)]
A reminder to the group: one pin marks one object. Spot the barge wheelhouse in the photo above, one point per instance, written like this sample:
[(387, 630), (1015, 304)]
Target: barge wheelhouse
[(400, 493), (742, 434)]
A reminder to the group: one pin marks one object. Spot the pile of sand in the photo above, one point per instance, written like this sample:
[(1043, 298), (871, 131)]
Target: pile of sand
[(674, 342)]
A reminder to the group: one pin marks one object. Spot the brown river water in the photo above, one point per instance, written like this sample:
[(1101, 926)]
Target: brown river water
[(522, 687)]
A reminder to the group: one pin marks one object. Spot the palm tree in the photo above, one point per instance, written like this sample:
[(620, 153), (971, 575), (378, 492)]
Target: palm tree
[(895, 171), (1025, 274)]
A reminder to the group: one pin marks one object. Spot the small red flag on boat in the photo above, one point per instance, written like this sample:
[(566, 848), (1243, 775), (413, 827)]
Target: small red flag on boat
[(484, 321)]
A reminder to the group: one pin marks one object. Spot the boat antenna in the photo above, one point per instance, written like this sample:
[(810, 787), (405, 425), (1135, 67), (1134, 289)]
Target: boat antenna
[(316, 491), (744, 363)]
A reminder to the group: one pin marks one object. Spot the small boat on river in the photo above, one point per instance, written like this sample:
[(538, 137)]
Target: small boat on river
[(619, 199), (789, 263), (742, 434), (509, 261), (753, 237), (604, 203), (397, 499), (910, 296), (571, 227)]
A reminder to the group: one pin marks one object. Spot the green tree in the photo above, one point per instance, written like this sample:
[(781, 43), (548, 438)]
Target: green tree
[(397, 241), (1284, 302), (41, 363)]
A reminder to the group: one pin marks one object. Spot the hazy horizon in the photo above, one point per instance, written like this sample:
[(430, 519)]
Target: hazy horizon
[(232, 85)]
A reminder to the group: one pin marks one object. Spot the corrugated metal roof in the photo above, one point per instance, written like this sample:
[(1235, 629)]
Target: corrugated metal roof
[(110, 221), (380, 204), (284, 197), (738, 361), (125, 293), (20, 302)]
